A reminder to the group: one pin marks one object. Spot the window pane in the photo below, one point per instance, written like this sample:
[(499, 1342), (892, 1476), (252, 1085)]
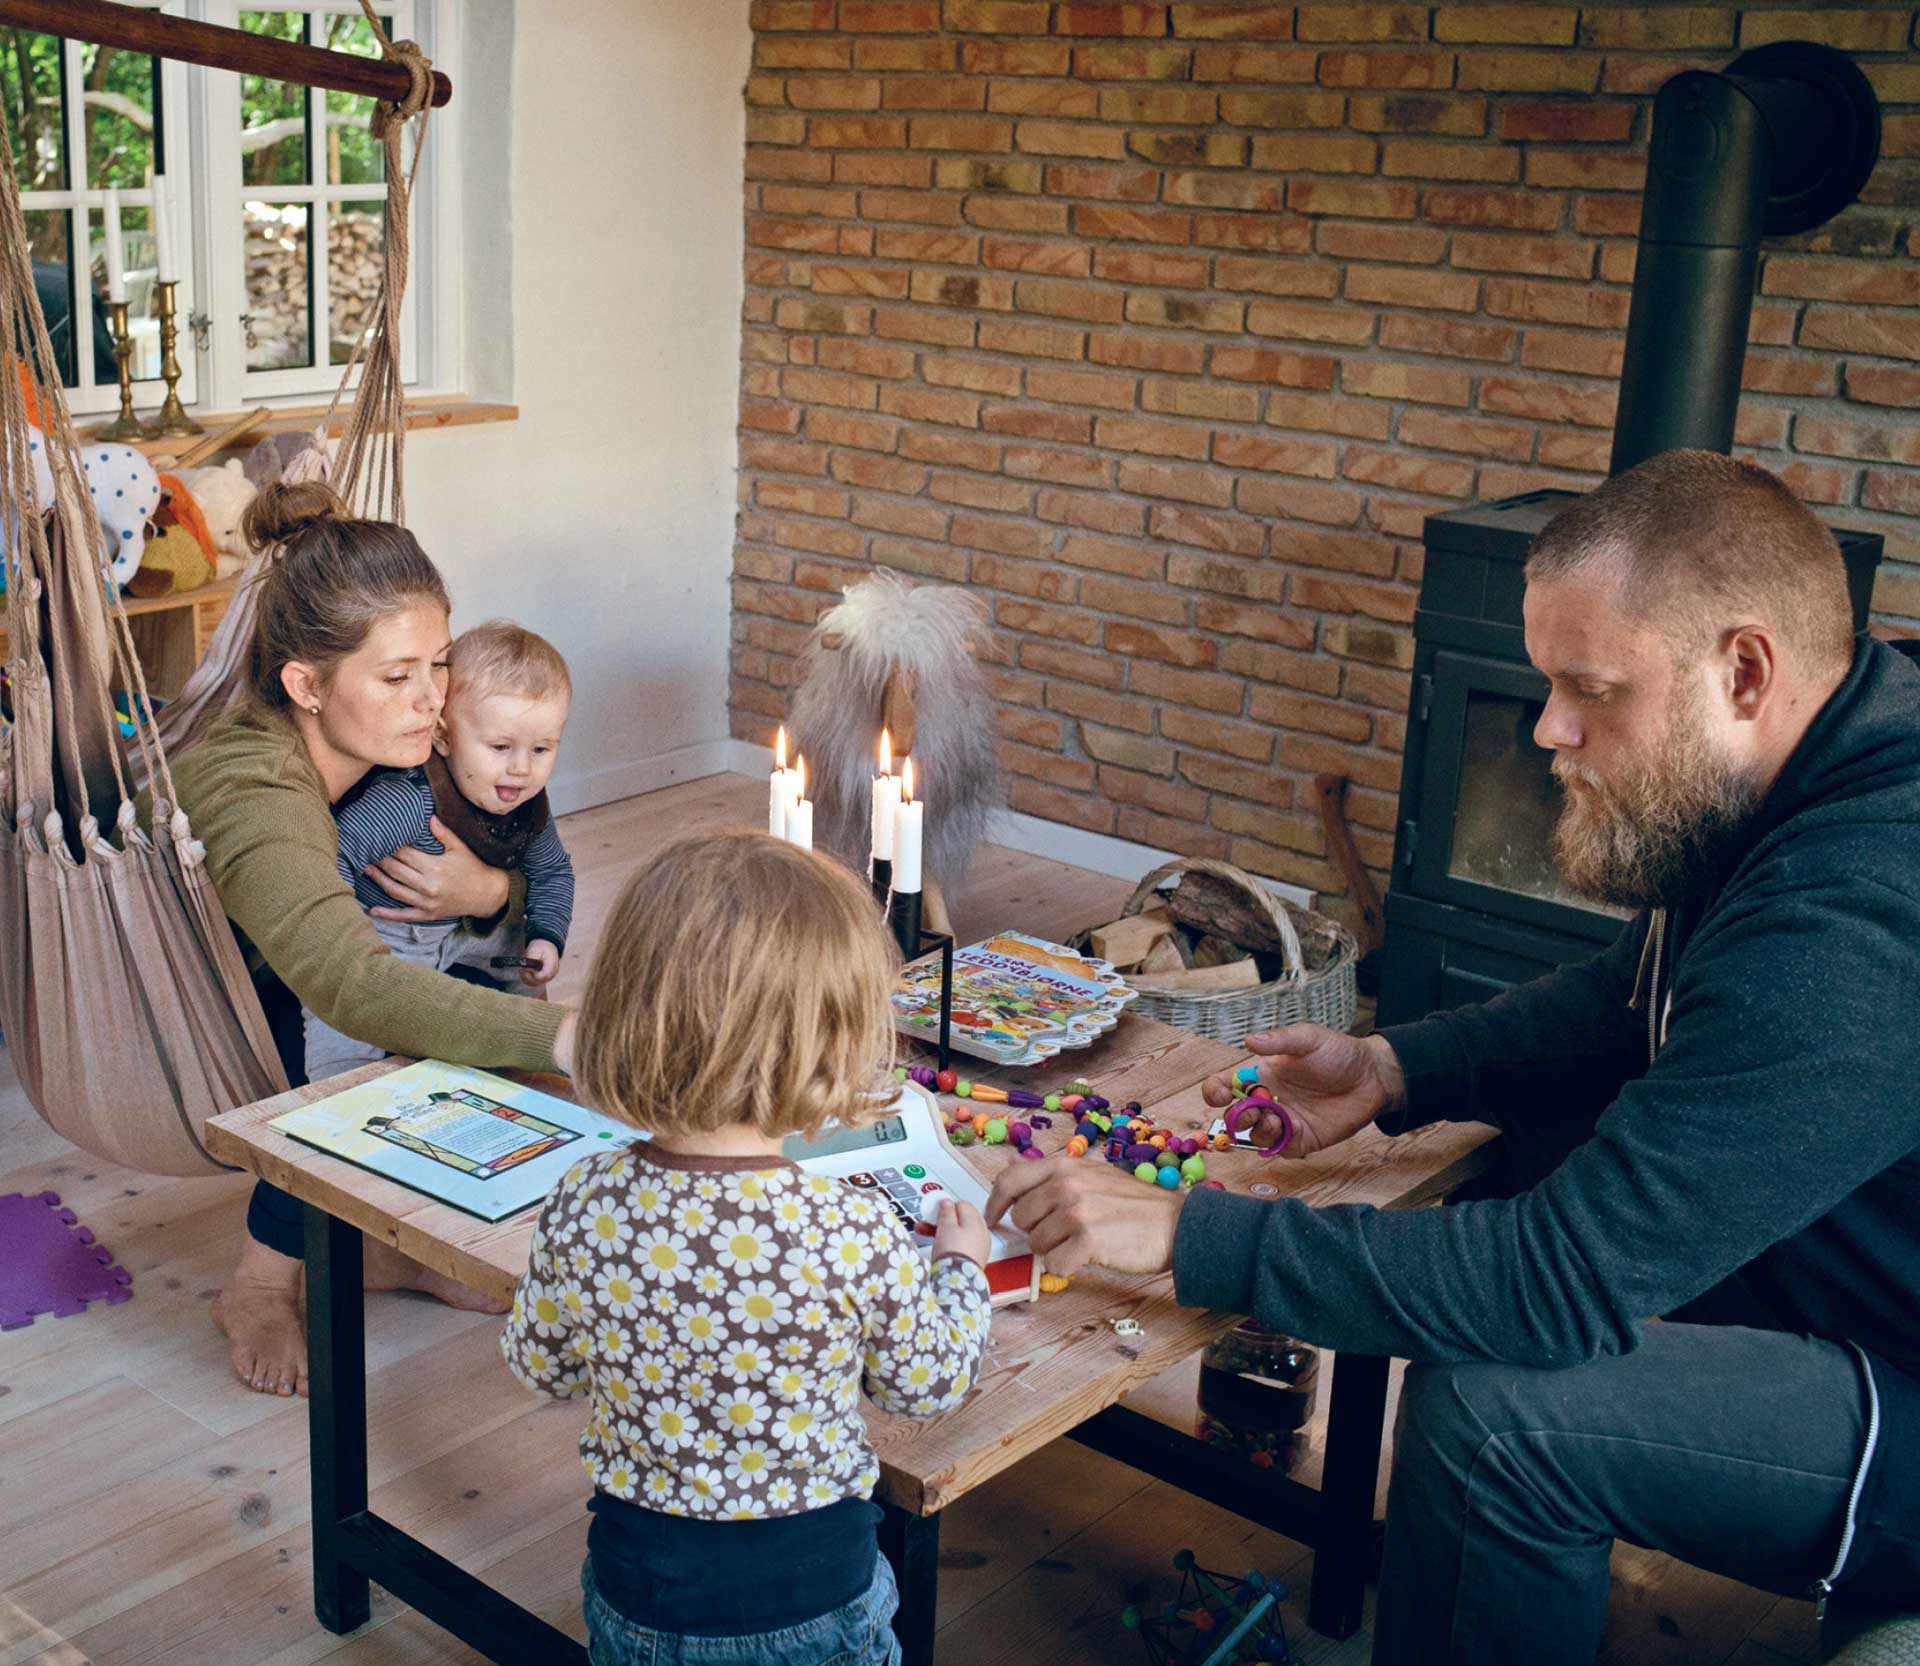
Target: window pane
[(122, 95), (273, 114), (279, 286), (47, 231), (143, 318), (354, 156), (355, 235), (31, 72)]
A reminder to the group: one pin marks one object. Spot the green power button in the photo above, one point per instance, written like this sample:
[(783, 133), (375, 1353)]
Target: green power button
[(913, 1171)]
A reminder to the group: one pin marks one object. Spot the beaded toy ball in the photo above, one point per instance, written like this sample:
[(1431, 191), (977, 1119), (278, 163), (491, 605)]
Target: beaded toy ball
[(1215, 1621)]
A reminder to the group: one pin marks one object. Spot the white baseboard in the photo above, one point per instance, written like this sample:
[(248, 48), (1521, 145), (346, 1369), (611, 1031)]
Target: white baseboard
[(1099, 852), (641, 775)]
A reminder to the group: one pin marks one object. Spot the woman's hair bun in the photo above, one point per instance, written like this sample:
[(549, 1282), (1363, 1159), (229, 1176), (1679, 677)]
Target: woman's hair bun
[(279, 511)]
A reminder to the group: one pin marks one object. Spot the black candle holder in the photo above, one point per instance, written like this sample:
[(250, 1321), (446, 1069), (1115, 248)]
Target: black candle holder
[(903, 916), (882, 880)]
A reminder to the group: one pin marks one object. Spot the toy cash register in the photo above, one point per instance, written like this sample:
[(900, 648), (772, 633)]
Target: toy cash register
[(905, 1159)]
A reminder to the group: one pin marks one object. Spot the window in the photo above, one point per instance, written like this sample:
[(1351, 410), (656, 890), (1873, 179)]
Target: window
[(282, 185), (83, 118)]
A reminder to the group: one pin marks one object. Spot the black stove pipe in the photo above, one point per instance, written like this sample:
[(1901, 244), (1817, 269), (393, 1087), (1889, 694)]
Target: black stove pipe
[(1779, 143)]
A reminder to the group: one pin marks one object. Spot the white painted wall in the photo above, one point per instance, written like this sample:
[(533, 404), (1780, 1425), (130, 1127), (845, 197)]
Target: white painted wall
[(603, 518)]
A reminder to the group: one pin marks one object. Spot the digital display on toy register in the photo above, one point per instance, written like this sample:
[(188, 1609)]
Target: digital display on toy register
[(836, 1141)]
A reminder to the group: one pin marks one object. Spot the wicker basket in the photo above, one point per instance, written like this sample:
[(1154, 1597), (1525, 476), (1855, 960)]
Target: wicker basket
[(1316, 988)]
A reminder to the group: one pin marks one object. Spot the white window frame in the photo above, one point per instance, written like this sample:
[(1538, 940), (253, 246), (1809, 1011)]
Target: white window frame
[(81, 199), (219, 194)]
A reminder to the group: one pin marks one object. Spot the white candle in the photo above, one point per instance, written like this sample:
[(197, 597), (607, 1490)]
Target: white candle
[(116, 250), (800, 812), (886, 799), (779, 795), (909, 827), (162, 232)]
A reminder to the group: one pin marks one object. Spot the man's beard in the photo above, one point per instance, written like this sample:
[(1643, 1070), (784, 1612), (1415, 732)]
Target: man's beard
[(1662, 835)]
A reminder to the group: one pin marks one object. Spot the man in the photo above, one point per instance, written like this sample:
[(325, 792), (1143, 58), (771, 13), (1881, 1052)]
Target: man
[(1717, 1120)]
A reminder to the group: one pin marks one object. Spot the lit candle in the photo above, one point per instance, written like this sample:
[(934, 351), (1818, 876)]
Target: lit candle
[(162, 232), (909, 825), (780, 791), (800, 812), (116, 250), (886, 799)]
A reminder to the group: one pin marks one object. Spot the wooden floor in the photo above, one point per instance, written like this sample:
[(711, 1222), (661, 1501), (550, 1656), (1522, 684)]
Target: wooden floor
[(154, 1512)]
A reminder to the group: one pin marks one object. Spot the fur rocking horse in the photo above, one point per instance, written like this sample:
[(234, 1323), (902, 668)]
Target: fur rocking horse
[(900, 655)]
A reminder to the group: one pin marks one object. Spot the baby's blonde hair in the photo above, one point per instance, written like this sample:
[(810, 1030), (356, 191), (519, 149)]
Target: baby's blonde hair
[(501, 657), (740, 980)]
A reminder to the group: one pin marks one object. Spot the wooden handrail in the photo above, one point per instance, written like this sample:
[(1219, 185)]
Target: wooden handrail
[(139, 30)]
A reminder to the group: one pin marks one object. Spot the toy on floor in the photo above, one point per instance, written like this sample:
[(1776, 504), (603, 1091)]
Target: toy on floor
[(49, 1263), (1215, 1621)]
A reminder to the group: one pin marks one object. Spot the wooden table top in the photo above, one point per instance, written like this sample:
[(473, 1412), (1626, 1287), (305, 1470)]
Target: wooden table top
[(1050, 1364)]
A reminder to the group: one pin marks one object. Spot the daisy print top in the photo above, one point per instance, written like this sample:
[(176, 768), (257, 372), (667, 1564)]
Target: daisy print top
[(721, 1316)]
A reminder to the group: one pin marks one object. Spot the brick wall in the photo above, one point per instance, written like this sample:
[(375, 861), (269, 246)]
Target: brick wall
[(1164, 325)]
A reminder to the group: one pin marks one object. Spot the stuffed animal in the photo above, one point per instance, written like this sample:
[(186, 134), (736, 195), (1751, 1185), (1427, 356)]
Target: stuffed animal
[(267, 463), (126, 491), (223, 495), (173, 561)]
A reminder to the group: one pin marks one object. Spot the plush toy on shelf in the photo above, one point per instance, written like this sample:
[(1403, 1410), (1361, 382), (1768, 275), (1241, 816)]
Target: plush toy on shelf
[(223, 495)]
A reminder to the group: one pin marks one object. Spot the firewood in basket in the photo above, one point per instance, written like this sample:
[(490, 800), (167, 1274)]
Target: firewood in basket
[(1203, 980), (1214, 907), (1217, 951), (1164, 956), (1126, 942)]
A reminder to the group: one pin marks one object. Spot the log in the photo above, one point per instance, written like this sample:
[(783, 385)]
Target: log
[(1214, 907), (1202, 980), (1127, 942)]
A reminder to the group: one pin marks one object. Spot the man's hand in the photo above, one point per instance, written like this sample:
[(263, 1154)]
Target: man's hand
[(1077, 1214), (547, 963), (1332, 1084), (457, 885), (961, 1231)]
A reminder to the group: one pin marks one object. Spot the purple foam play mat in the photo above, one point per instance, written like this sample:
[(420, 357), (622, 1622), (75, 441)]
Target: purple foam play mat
[(49, 1263)]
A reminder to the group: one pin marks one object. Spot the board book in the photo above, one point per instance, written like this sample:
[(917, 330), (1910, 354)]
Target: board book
[(1016, 999)]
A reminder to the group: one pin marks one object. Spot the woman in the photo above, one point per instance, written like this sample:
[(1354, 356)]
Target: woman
[(346, 672)]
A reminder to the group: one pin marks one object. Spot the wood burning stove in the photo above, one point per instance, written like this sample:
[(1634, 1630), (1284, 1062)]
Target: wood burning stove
[(1779, 143)]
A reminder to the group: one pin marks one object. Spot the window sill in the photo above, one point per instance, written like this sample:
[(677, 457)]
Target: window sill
[(431, 411)]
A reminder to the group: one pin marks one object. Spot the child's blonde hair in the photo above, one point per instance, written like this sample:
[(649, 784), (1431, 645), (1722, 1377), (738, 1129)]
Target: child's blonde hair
[(740, 980), (501, 657)]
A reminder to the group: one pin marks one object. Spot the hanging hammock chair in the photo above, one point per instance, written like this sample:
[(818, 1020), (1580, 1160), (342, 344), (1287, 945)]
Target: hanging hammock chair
[(124, 1000)]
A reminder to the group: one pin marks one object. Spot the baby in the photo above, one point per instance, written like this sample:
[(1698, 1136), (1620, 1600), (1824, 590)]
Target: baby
[(508, 693)]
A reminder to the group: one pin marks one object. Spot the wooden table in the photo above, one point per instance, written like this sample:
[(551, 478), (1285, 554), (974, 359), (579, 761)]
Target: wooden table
[(1056, 1367)]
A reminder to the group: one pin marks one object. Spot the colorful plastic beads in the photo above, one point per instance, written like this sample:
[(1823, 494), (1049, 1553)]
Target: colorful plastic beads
[(1076, 1146), (1051, 1284), (1193, 1170), (1168, 1177), (963, 1087), (960, 1134), (1146, 1172), (1052, 1102), (944, 1080), (995, 1132)]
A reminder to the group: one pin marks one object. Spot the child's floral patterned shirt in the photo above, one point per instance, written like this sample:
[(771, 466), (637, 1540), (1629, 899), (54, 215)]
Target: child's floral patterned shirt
[(722, 1316)]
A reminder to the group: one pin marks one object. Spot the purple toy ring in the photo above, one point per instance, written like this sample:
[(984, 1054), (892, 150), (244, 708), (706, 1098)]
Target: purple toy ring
[(1260, 1105)]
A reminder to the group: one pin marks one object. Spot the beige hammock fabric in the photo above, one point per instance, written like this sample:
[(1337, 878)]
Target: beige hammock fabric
[(124, 1000)]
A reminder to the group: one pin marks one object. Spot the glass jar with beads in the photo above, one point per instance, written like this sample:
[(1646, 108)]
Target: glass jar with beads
[(1256, 1396)]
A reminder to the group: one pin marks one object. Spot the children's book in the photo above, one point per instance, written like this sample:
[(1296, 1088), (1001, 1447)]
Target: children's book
[(468, 1138), (1016, 999)]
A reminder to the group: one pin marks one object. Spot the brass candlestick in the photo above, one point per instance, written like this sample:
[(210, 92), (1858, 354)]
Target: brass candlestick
[(126, 426), (172, 416)]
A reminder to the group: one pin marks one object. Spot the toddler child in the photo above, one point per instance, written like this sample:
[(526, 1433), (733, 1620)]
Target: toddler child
[(508, 692), (720, 1308)]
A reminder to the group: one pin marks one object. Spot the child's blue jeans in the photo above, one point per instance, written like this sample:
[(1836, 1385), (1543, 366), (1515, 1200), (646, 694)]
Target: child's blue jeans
[(860, 1634)]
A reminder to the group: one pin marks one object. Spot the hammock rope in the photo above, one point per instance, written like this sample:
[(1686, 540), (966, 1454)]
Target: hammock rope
[(128, 1009)]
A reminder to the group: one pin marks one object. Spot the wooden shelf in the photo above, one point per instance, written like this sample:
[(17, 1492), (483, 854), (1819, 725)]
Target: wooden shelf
[(169, 632), (448, 411)]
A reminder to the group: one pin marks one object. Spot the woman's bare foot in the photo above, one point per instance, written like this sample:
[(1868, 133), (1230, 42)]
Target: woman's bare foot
[(388, 1269), (259, 1314)]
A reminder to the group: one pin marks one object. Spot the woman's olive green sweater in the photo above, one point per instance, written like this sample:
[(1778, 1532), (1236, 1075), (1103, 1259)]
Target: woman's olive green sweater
[(258, 805)]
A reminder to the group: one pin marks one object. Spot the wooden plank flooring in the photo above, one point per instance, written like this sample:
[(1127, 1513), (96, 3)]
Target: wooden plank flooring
[(154, 1513)]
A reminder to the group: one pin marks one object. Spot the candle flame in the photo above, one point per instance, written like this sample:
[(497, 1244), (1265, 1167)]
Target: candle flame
[(780, 749), (886, 752), (906, 781), (800, 766)]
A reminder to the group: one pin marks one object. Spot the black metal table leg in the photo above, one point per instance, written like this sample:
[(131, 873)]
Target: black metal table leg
[(1343, 1551), (336, 1415), (912, 1545)]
